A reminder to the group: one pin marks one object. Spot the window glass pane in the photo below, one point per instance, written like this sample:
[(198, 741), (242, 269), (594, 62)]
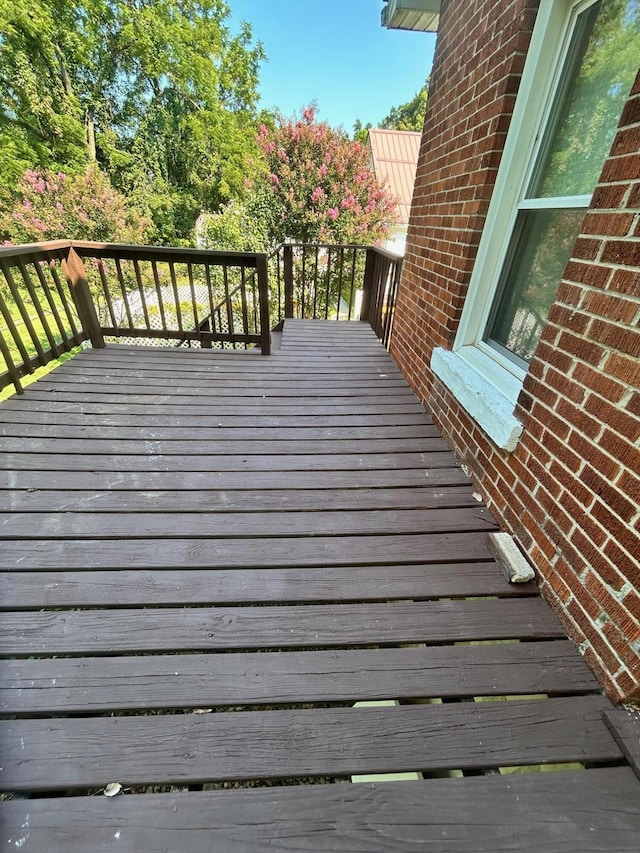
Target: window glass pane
[(542, 247), (597, 78)]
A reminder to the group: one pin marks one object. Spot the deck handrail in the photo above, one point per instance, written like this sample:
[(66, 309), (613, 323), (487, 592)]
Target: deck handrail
[(59, 294), (56, 295), (356, 282)]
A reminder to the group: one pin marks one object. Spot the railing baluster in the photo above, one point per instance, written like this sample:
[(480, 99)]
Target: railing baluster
[(71, 317), (227, 299), (104, 281), (304, 279), (176, 295), (52, 304), (192, 290), (207, 278), (123, 290), (328, 285), (158, 286), (340, 278), (15, 334), (12, 370), (143, 298), (354, 255), (22, 309), (243, 294), (28, 283), (315, 284), (288, 281)]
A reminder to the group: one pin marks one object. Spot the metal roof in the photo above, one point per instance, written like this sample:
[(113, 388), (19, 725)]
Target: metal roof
[(395, 157)]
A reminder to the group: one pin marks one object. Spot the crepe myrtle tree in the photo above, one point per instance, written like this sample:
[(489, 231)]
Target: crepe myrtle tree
[(321, 185)]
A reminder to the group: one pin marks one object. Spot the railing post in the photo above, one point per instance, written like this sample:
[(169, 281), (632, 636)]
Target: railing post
[(262, 271), (368, 284), (287, 261), (76, 276)]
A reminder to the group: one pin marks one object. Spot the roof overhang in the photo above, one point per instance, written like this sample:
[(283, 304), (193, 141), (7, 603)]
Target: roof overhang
[(419, 15)]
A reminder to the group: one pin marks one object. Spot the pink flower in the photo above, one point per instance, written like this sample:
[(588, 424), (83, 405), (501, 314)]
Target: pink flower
[(275, 179), (28, 204), (322, 171), (59, 206), (333, 213), (38, 223), (317, 194), (263, 131), (309, 114), (247, 183), (282, 154)]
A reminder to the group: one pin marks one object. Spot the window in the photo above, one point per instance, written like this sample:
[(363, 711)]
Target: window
[(580, 68)]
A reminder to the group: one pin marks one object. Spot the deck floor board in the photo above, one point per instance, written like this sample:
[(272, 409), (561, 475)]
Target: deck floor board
[(208, 557)]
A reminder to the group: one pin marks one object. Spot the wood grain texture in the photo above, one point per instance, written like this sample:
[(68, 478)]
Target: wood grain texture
[(218, 462), (182, 681), (61, 480), (239, 500), (186, 529), (624, 725), (249, 553), (194, 628), (34, 590), (68, 753), (540, 813), (192, 525)]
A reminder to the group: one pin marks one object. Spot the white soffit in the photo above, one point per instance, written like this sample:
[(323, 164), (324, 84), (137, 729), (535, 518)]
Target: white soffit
[(419, 15)]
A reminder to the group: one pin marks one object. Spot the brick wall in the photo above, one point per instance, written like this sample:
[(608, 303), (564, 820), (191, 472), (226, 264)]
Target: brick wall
[(570, 491)]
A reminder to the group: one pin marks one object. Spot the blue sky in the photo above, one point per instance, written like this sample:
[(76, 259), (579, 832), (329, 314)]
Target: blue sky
[(336, 53)]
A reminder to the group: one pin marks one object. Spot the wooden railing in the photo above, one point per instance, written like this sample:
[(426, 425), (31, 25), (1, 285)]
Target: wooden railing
[(335, 282), (54, 296)]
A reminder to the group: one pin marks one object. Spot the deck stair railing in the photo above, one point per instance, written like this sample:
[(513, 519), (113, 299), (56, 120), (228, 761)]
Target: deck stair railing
[(56, 295), (335, 282)]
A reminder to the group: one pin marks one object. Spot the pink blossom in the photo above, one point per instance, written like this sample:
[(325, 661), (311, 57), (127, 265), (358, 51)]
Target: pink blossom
[(28, 204), (322, 171), (317, 194), (275, 179), (38, 223), (282, 154), (309, 114), (247, 183), (263, 131), (59, 206), (333, 213), (271, 147)]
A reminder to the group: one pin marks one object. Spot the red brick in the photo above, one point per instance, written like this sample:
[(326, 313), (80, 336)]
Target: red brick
[(622, 251), (625, 281), (608, 224)]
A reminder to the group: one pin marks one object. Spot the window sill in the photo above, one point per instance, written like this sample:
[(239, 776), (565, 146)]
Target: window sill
[(488, 406)]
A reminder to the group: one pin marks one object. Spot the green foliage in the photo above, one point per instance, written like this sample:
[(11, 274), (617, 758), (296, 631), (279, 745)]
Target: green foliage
[(361, 132), (41, 121), (238, 227), (409, 116), (84, 206), (157, 91), (321, 185)]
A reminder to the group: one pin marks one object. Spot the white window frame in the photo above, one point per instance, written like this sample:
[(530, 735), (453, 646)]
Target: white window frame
[(486, 381)]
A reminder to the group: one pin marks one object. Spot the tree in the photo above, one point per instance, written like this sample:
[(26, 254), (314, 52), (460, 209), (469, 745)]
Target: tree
[(320, 184), (361, 131), (158, 92), (82, 206), (40, 118), (409, 116)]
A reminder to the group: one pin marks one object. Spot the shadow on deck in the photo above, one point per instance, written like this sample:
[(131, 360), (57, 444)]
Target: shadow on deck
[(209, 558)]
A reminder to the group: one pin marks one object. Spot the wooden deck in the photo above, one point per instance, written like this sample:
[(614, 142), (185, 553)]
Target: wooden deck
[(210, 558)]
